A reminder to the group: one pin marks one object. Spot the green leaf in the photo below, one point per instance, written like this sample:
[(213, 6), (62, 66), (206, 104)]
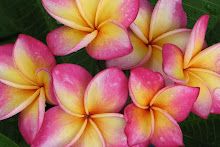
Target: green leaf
[(5, 141)]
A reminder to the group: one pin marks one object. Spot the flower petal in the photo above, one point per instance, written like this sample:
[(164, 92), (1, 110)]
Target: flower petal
[(70, 82), (216, 102), (203, 104), (173, 62), (66, 12), (166, 131), (65, 40), (167, 15), (197, 39), (13, 100), (90, 137), (143, 18), (111, 42), (127, 11), (140, 54), (208, 59), (139, 125), (176, 100), (31, 118), (178, 37), (31, 55), (9, 74), (111, 126), (143, 85), (107, 92), (58, 129)]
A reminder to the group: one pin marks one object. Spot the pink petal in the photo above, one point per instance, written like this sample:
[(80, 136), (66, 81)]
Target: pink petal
[(65, 40), (107, 92), (176, 100), (143, 85), (140, 54), (70, 82), (167, 15), (166, 131), (31, 118), (173, 63), (120, 11), (139, 125), (31, 55), (66, 12), (9, 74), (111, 42), (13, 100), (59, 129), (111, 126), (216, 102), (196, 40)]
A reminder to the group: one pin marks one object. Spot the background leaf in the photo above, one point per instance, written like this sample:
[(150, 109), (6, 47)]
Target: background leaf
[(29, 17)]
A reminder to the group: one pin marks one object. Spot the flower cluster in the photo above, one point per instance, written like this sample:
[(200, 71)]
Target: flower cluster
[(172, 73)]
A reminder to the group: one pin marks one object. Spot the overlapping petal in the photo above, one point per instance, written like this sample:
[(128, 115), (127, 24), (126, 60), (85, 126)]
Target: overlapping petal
[(107, 92), (111, 42), (168, 13), (59, 129), (31, 55), (176, 100), (70, 82), (143, 85), (31, 118)]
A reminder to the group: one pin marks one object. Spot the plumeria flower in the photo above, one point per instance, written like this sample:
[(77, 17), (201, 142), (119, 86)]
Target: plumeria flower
[(26, 83), (87, 112), (153, 117), (196, 67), (98, 25), (151, 30)]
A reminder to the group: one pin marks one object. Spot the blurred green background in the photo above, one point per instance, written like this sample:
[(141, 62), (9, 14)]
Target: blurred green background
[(29, 17)]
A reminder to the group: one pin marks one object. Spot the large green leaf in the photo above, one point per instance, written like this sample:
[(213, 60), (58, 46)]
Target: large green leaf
[(5, 141), (29, 17)]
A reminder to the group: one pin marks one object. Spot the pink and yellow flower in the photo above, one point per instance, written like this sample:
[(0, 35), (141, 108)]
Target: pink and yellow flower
[(26, 83), (151, 30), (87, 115), (153, 117), (196, 67), (98, 25)]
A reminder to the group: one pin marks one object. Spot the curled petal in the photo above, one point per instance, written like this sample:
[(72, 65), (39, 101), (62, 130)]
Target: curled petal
[(59, 129), (176, 100), (65, 40), (166, 131), (111, 126), (70, 82), (197, 39), (111, 42), (143, 85), (167, 15), (30, 55), (127, 11), (173, 63), (140, 54), (31, 118), (13, 100), (139, 125), (107, 92), (66, 11)]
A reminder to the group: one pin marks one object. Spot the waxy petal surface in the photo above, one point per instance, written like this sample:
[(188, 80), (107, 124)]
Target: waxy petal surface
[(176, 100), (58, 129), (143, 85), (111, 42), (107, 92), (31, 55), (139, 125), (65, 40), (70, 82), (31, 118), (167, 15)]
